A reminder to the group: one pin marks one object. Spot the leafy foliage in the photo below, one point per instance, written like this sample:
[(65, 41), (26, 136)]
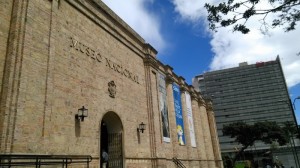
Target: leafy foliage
[(246, 134), (237, 13), (290, 129)]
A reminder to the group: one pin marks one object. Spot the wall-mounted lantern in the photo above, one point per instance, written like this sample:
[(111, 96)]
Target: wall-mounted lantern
[(82, 112), (141, 127)]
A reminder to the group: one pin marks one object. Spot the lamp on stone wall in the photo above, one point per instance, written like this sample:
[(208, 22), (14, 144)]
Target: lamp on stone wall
[(82, 112), (141, 127)]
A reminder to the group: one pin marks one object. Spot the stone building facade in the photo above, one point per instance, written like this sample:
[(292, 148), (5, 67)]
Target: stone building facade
[(59, 55)]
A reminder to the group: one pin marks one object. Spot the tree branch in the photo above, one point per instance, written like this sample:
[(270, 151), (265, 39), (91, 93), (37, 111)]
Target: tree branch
[(289, 15)]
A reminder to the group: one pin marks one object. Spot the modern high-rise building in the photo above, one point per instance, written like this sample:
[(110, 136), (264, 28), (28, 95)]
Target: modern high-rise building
[(249, 93)]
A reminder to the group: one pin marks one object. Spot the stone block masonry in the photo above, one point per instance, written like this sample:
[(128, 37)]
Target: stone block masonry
[(59, 55)]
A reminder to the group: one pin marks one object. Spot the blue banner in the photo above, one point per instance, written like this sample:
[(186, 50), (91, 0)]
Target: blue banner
[(178, 114)]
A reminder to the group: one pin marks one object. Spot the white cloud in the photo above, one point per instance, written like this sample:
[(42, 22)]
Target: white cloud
[(136, 15), (233, 48), (190, 9), (229, 48)]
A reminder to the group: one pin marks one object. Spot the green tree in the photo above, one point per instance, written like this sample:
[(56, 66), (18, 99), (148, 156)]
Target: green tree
[(291, 132), (237, 13), (290, 129), (247, 135)]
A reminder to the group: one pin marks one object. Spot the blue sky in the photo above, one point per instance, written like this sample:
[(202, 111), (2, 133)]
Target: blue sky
[(177, 29)]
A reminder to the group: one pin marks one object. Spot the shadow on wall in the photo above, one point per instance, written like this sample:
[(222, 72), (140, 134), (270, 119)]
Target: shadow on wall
[(77, 128)]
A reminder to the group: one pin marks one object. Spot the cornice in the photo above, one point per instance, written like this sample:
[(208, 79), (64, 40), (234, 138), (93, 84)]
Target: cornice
[(106, 19), (169, 74), (194, 96), (149, 50), (193, 93), (209, 105), (151, 61), (169, 78), (168, 69), (182, 84), (183, 88)]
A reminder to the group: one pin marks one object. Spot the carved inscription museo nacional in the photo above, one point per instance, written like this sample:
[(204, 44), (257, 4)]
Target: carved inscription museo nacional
[(96, 56)]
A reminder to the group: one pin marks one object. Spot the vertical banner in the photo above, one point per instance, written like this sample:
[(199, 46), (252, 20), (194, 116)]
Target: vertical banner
[(190, 118), (178, 114), (163, 107)]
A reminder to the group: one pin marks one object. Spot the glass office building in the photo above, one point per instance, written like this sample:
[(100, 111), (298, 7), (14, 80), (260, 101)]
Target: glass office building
[(249, 93)]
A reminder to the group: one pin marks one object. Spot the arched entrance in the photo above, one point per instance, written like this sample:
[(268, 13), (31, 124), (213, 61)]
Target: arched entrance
[(111, 149)]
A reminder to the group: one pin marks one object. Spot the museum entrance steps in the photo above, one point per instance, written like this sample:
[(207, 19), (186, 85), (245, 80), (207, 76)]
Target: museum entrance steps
[(28, 160), (178, 163)]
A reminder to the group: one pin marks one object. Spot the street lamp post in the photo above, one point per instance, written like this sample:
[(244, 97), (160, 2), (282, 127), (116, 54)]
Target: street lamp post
[(294, 102), (293, 110), (294, 149), (295, 119)]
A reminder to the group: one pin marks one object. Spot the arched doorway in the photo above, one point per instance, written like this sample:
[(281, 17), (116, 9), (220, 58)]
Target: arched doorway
[(111, 141)]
